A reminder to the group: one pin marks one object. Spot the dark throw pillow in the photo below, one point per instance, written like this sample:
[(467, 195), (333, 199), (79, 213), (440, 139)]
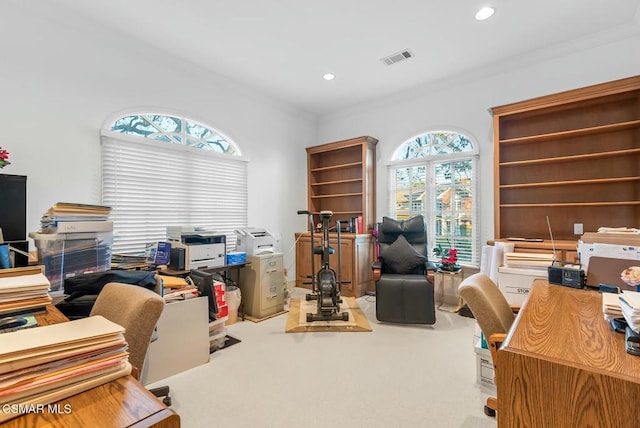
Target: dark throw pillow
[(401, 257)]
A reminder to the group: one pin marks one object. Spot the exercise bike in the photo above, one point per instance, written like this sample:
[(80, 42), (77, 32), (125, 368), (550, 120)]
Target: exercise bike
[(325, 284)]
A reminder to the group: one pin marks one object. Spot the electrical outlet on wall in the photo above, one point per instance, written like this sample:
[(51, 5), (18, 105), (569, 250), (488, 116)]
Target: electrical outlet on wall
[(577, 229)]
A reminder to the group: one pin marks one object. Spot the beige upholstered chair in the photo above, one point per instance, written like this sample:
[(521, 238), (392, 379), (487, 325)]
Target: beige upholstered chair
[(492, 312), (137, 309)]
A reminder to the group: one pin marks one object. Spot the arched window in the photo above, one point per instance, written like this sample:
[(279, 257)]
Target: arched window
[(162, 170), (434, 174)]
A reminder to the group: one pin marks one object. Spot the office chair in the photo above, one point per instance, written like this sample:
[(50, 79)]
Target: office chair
[(137, 309), (403, 274), (493, 314)]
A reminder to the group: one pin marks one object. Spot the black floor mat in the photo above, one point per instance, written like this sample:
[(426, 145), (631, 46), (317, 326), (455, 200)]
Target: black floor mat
[(229, 341)]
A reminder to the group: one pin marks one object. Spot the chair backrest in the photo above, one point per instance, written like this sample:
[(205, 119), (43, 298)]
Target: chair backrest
[(489, 307), (414, 230), (137, 310)]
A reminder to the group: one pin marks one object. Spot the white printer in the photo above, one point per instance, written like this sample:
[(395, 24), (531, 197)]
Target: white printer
[(202, 249), (253, 241)]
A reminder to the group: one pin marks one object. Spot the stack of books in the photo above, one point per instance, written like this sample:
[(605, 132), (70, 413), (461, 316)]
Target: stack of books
[(39, 366), (528, 260), (65, 217), (630, 305), (24, 293)]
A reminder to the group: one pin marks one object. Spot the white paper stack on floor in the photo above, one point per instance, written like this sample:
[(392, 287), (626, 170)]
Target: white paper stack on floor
[(630, 304), (24, 292), (528, 260), (45, 364), (611, 306)]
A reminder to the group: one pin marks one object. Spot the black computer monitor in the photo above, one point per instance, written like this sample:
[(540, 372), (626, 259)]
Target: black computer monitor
[(204, 281)]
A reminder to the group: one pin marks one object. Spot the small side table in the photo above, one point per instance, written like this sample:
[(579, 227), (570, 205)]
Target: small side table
[(448, 280)]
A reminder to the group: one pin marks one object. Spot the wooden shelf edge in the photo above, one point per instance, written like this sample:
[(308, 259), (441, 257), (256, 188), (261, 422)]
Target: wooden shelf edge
[(572, 204), (325, 183), (613, 180), (560, 244), (573, 133), (559, 159), (344, 144), (334, 167), (570, 96), (337, 195)]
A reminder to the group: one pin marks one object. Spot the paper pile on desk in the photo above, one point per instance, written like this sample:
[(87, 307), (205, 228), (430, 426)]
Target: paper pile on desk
[(528, 260), (611, 306), (19, 294), (630, 305), (41, 365)]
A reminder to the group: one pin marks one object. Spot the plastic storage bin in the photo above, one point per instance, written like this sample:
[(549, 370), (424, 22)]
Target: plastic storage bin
[(217, 334), (236, 257), (69, 254)]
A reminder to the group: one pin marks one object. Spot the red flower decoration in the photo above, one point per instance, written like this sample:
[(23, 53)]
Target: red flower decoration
[(4, 158)]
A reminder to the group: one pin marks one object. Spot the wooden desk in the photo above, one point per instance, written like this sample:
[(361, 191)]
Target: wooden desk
[(123, 402), (562, 366)]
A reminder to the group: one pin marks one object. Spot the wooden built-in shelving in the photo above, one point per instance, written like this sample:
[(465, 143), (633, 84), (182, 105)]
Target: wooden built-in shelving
[(341, 179), (572, 156)]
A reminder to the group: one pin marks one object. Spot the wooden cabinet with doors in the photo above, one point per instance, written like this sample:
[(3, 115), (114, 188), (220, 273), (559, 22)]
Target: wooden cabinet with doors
[(573, 156), (341, 179), (356, 258)]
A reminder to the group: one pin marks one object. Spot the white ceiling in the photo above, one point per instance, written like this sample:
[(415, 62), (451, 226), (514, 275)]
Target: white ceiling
[(283, 47)]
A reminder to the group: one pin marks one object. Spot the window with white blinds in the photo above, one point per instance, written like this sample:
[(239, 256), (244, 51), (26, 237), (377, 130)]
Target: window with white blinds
[(435, 174), (150, 184)]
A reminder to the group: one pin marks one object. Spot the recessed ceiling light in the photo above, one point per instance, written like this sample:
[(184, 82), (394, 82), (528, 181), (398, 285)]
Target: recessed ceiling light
[(329, 76), (485, 13)]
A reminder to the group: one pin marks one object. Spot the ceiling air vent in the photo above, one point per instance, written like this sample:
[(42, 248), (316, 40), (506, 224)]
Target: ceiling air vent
[(397, 57)]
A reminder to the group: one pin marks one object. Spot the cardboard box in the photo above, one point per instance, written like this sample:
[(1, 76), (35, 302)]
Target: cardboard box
[(484, 369), (515, 283), (631, 239)]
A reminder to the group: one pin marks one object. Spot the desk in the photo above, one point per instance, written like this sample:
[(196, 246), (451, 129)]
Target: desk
[(562, 366), (221, 270), (123, 402)]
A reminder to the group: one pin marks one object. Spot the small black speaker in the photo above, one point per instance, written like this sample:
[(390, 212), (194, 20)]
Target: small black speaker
[(176, 260), (555, 275)]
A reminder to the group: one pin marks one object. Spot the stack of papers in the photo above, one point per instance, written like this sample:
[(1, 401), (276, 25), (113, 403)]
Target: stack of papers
[(630, 305), (24, 293), (173, 294), (41, 365), (528, 260), (611, 306), (65, 217)]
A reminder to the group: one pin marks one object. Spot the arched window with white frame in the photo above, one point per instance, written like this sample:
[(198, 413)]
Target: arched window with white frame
[(434, 174), (162, 170)]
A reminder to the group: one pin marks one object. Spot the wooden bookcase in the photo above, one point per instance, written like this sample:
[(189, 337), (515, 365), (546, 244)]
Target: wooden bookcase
[(341, 178), (572, 156)]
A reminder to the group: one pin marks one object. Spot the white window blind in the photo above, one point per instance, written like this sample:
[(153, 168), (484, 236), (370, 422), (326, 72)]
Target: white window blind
[(150, 185), (435, 174)]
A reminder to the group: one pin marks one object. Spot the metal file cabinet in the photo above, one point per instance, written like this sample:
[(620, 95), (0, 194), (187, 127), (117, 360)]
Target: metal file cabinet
[(262, 285)]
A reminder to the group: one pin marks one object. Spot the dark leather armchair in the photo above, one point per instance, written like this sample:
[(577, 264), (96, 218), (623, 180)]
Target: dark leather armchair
[(403, 273)]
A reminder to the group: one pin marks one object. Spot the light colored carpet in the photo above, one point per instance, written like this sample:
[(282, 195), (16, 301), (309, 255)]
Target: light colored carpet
[(395, 376)]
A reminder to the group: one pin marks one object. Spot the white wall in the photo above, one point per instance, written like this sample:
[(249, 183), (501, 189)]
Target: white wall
[(463, 103), (61, 78)]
